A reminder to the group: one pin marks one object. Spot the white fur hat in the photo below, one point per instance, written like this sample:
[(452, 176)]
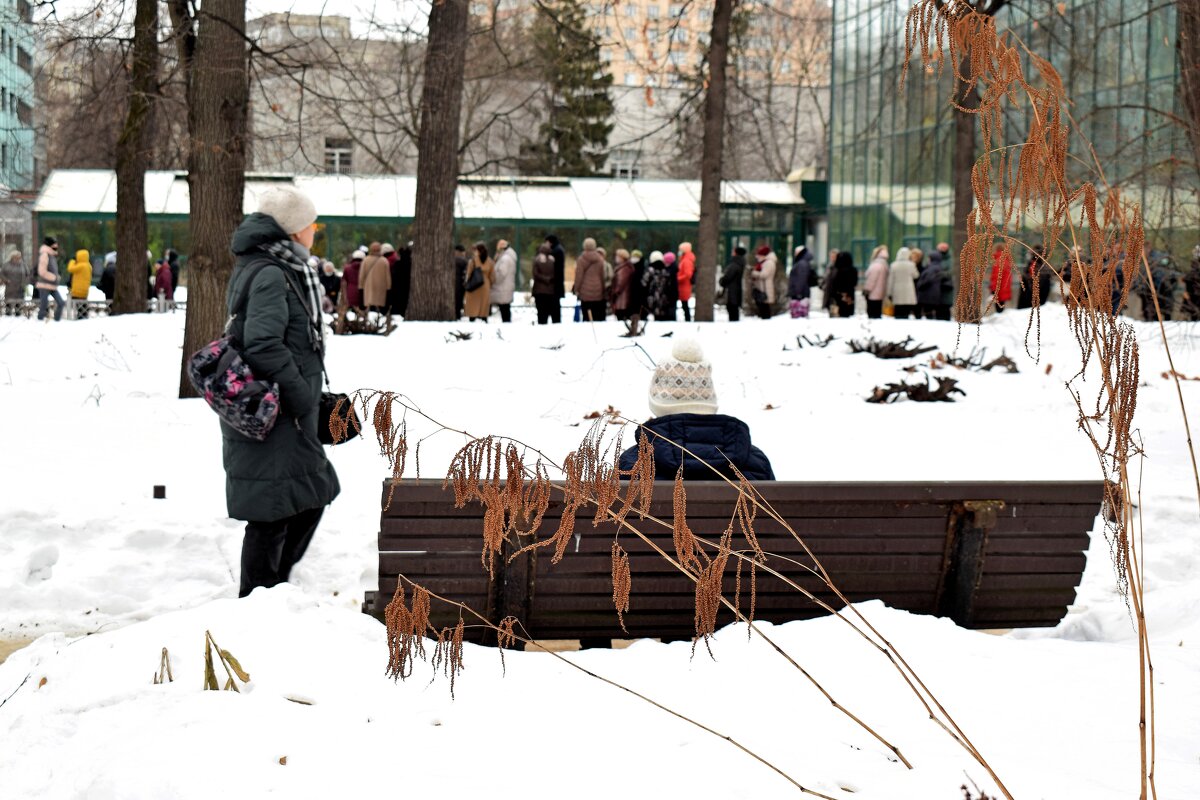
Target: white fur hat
[(655, 256), (288, 206), (387, 248), (359, 254), (683, 383)]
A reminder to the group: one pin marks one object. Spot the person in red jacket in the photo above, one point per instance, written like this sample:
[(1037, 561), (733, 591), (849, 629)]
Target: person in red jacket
[(685, 277), (1001, 283), (163, 287)]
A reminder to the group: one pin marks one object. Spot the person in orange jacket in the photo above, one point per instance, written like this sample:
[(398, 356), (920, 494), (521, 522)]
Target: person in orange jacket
[(685, 277)]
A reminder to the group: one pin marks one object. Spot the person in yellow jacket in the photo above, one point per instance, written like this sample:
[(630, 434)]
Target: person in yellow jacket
[(80, 268)]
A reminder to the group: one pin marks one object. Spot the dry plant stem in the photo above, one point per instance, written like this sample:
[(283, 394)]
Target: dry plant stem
[(1174, 376), (774, 645), (639, 695), (893, 655), (397, 398)]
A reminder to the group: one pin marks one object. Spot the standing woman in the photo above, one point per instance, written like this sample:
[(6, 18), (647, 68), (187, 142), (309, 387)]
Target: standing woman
[(478, 302), (762, 281), (875, 284), (279, 486), (845, 280), (686, 277), (902, 285), (589, 284), (620, 293)]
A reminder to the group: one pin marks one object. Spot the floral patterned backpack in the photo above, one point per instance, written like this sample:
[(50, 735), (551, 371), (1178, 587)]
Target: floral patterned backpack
[(226, 382)]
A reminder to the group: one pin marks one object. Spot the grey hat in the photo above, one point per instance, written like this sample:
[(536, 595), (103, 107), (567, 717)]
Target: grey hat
[(288, 206)]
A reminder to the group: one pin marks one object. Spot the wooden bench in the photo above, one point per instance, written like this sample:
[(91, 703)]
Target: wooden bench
[(987, 555)]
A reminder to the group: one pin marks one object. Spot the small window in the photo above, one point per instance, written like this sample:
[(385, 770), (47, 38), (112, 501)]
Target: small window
[(652, 12), (679, 35), (25, 10), (631, 34), (631, 79), (705, 15), (24, 60), (24, 114), (630, 10), (676, 10), (3, 156), (338, 156), (624, 164)]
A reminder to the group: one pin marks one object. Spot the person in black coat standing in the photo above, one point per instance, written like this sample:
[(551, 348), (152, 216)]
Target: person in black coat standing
[(845, 281), (687, 431), (460, 279), (560, 265), (280, 486), (731, 282)]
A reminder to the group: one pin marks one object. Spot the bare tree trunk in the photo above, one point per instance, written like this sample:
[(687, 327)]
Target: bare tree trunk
[(963, 162), (214, 48), (1188, 15), (708, 243), (133, 155), (432, 296)]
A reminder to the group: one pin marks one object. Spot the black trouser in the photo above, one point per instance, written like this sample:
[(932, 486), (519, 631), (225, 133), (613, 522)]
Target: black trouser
[(927, 311), (505, 311), (687, 311), (271, 549), (548, 309), (735, 313), (874, 308), (942, 311), (904, 312), (593, 310), (764, 310), (459, 294), (845, 307)]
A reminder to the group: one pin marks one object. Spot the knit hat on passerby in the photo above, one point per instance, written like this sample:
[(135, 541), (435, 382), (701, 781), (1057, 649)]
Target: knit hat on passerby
[(635, 256), (668, 258), (655, 255), (762, 251), (288, 206), (683, 383), (386, 249)]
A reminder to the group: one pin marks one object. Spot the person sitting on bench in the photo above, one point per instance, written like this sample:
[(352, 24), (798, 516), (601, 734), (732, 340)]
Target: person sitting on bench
[(684, 403)]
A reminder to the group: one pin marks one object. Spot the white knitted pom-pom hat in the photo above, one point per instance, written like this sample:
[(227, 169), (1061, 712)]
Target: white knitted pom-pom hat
[(683, 383)]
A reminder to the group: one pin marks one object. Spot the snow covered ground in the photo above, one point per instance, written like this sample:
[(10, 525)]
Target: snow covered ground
[(91, 424)]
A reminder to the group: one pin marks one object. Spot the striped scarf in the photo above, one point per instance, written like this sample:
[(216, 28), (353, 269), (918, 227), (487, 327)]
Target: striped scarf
[(296, 256)]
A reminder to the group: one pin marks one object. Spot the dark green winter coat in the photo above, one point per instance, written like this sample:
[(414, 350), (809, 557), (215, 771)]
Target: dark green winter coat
[(288, 472)]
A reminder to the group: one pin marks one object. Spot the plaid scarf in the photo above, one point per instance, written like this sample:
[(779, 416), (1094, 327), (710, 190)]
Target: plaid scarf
[(296, 257)]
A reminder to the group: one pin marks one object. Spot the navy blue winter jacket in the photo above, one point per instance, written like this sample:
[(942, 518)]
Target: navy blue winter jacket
[(716, 439)]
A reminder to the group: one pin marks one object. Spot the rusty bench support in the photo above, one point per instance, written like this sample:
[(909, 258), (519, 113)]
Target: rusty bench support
[(967, 530)]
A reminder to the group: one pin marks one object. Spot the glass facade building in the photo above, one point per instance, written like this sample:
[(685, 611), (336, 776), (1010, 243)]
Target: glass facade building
[(16, 95), (891, 152)]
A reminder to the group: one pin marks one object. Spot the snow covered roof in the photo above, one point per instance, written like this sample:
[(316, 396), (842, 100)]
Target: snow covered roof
[(82, 191)]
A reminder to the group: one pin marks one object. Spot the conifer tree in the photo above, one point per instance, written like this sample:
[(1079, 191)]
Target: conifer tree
[(573, 139)]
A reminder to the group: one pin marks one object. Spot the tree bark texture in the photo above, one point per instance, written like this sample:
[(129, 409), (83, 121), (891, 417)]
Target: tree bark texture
[(962, 164), (133, 155), (1188, 15), (218, 96), (708, 243), (432, 296)]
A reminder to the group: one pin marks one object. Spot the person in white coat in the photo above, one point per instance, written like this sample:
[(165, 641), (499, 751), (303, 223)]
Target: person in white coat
[(504, 279), (762, 281), (902, 284)]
